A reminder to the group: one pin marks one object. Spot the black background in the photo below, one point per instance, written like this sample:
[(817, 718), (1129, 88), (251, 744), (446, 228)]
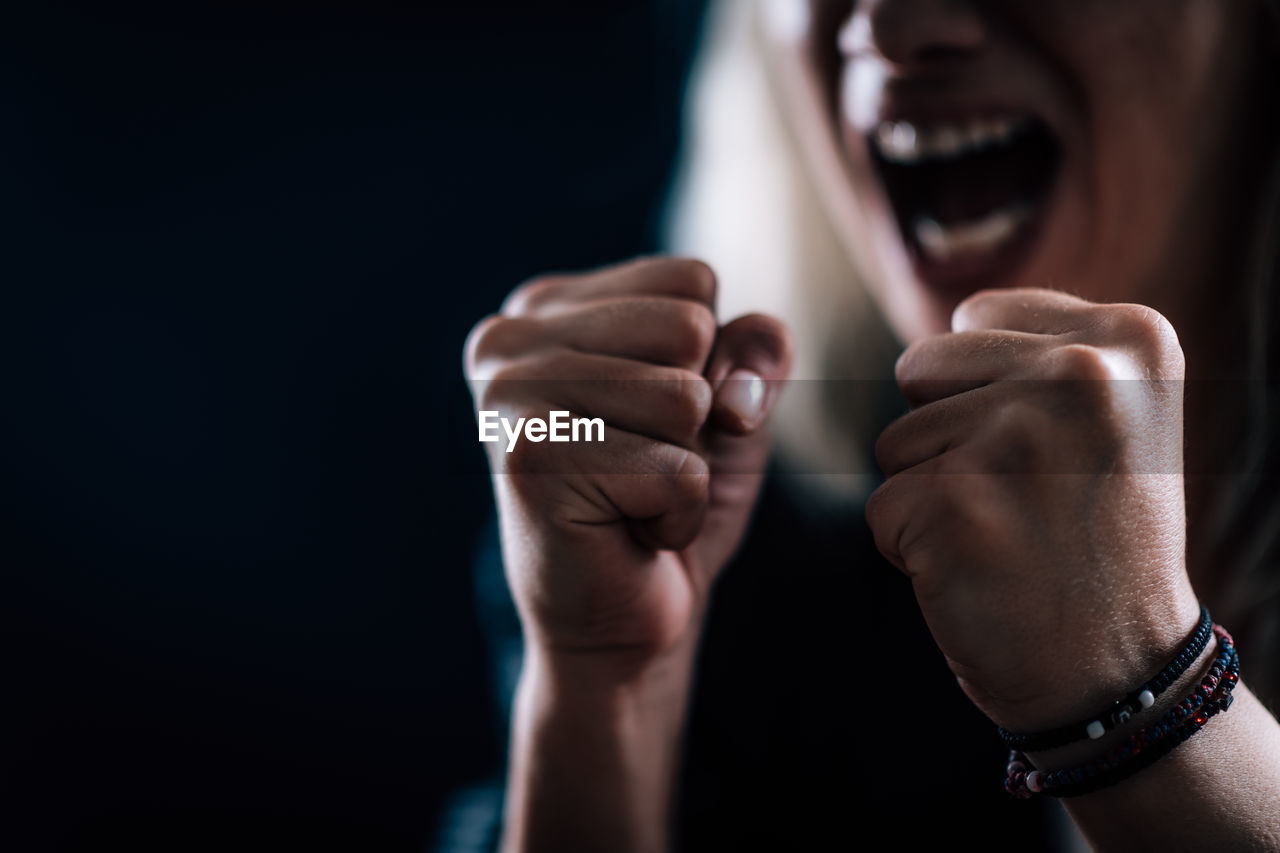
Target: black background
[(243, 243)]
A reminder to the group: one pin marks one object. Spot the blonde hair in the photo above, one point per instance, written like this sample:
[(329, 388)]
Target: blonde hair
[(745, 202)]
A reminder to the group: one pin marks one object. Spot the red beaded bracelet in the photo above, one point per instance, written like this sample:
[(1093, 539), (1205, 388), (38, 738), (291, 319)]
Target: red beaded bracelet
[(1143, 748)]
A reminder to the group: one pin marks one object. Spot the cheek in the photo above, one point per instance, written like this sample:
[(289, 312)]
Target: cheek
[(1163, 150), (1137, 200), (1144, 82)]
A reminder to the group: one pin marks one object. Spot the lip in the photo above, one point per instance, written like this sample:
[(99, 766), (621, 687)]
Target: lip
[(961, 275), (942, 100), (1000, 268)]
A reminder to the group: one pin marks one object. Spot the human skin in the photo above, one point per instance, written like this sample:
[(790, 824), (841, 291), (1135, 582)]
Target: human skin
[(611, 549), (1057, 591), (1155, 106), (1034, 494)]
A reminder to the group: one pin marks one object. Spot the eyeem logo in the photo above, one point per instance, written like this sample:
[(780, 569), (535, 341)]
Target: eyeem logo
[(559, 428)]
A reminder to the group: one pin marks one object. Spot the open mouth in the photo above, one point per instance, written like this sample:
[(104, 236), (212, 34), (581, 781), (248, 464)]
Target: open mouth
[(967, 194)]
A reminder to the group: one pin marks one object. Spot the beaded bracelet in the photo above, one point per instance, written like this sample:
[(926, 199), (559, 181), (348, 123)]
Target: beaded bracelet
[(1122, 709), (1143, 748)]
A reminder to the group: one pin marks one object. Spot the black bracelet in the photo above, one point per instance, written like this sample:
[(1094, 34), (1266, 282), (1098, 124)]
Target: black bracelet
[(1143, 748), (1122, 709)]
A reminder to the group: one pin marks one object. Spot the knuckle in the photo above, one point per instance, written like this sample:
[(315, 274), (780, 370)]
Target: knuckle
[(688, 404), (974, 303), (695, 278), (694, 332), (1081, 361), (1137, 319), (957, 489), (886, 520), (674, 276), (532, 293), (956, 461), (906, 367), (887, 445), (495, 336), (1160, 338), (504, 385), (691, 480), (1016, 440), (1016, 420), (1146, 329), (473, 350), (879, 504)]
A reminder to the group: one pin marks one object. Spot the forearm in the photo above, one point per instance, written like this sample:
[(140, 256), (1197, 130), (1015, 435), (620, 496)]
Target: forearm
[(595, 753), (1218, 791)]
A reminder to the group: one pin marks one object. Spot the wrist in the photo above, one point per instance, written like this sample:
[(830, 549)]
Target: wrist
[(1085, 750), (1103, 666), (595, 749), (612, 686)]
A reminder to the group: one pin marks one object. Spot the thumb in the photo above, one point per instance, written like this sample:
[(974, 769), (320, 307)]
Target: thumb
[(750, 361), (748, 365)]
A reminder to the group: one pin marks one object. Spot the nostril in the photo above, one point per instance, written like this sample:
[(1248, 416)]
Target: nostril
[(910, 32), (940, 53)]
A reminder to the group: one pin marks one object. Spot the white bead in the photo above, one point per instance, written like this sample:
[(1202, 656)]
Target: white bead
[(1146, 699), (1095, 729), (1034, 781)]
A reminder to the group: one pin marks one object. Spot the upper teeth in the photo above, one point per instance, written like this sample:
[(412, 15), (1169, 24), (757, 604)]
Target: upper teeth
[(904, 142)]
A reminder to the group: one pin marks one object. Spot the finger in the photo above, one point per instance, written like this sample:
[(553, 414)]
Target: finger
[(748, 369), (679, 278), (949, 364), (666, 504), (684, 496), (659, 489), (893, 511), (654, 329), (1045, 312), (932, 430), (664, 403), (750, 361)]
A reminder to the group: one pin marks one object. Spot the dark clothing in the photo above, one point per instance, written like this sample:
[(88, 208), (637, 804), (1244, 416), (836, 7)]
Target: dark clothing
[(823, 710), (823, 715)]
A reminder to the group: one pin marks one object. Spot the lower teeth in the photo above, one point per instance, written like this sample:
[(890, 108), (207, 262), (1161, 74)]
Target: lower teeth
[(944, 242)]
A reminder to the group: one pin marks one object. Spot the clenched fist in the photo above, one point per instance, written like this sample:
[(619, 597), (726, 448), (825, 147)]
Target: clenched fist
[(1035, 499), (612, 546)]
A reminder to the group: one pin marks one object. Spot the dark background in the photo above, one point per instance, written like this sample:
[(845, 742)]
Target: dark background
[(243, 243)]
